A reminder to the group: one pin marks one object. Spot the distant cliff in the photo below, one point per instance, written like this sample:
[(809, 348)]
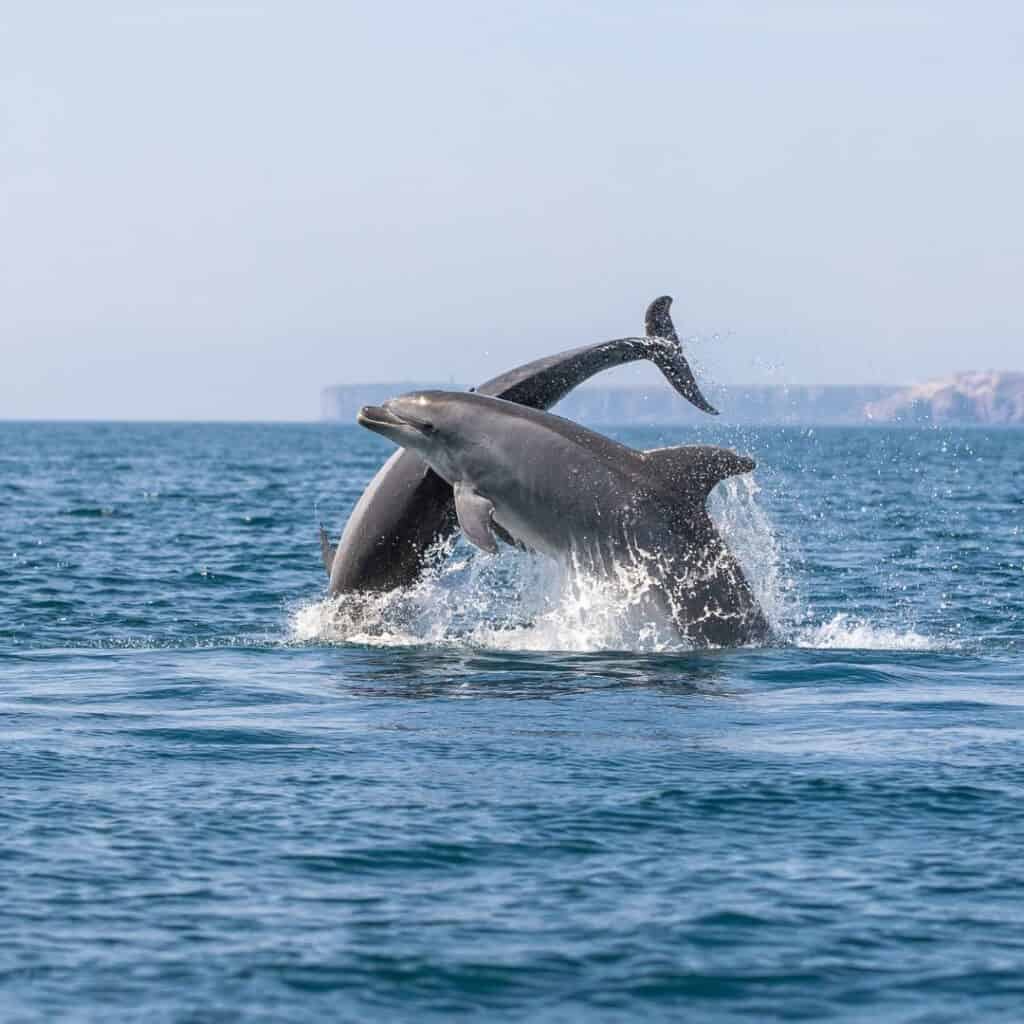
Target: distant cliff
[(779, 405), (990, 398), (619, 406), (983, 398)]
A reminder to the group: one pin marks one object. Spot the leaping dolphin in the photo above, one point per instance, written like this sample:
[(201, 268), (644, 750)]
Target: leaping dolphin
[(545, 483), (407, 510)]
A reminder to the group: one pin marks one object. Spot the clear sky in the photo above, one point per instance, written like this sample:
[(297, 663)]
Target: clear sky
[(212, 210)]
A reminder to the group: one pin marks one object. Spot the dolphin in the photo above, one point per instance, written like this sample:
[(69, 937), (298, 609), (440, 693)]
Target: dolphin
[(407, 511), (545, 483)]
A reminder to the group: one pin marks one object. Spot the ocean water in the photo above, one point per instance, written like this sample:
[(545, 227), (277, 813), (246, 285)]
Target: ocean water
[(495, 797)]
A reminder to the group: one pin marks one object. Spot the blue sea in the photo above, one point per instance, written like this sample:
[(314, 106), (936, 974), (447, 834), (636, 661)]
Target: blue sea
[(225, 798)]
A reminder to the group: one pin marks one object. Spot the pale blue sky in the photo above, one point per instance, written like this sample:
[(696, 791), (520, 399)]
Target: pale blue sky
[(213, 210)]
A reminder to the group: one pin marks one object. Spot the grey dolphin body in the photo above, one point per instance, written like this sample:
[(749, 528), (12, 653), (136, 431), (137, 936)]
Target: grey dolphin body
[(407, 509), (550, 485)]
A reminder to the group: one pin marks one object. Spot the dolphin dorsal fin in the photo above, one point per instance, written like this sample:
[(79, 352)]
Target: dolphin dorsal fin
[(697, 466), (327, 549)]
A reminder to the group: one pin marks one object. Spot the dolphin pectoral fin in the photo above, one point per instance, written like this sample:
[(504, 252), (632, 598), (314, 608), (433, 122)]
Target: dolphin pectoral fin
[(668, 355), (696, 468), (327, 549), (475, 514)]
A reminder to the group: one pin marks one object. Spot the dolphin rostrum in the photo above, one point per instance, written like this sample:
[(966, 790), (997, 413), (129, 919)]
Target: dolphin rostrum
[(407, 510), (547, 484)]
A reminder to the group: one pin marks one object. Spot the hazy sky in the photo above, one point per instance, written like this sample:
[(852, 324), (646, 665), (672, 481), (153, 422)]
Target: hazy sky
[(213, 210)]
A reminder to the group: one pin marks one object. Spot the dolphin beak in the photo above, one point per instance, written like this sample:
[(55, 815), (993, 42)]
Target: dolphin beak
[(377, 416), (400, 427)]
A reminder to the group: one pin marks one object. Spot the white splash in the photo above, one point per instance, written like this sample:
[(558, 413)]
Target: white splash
[(749, 534), (842, 632), (512, 602), (520, 602)]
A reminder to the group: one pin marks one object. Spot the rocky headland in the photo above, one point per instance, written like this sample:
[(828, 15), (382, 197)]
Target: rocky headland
[(988, 397)]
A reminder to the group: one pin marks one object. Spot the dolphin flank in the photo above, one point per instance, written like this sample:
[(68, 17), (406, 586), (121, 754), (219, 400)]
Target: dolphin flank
[(528, 477)]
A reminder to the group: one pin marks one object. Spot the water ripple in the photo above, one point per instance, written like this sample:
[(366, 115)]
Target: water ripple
[(220, 804)]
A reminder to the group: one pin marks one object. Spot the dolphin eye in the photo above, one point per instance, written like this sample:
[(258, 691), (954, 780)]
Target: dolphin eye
[(428, 428)]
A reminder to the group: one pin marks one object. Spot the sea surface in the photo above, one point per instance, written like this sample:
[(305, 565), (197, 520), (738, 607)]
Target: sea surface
[(224, 798)]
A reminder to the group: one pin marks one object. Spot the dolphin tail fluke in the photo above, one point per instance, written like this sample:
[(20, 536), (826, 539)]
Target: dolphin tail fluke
[(658, 319), (676, 369), (327, 549), (668, 356)]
